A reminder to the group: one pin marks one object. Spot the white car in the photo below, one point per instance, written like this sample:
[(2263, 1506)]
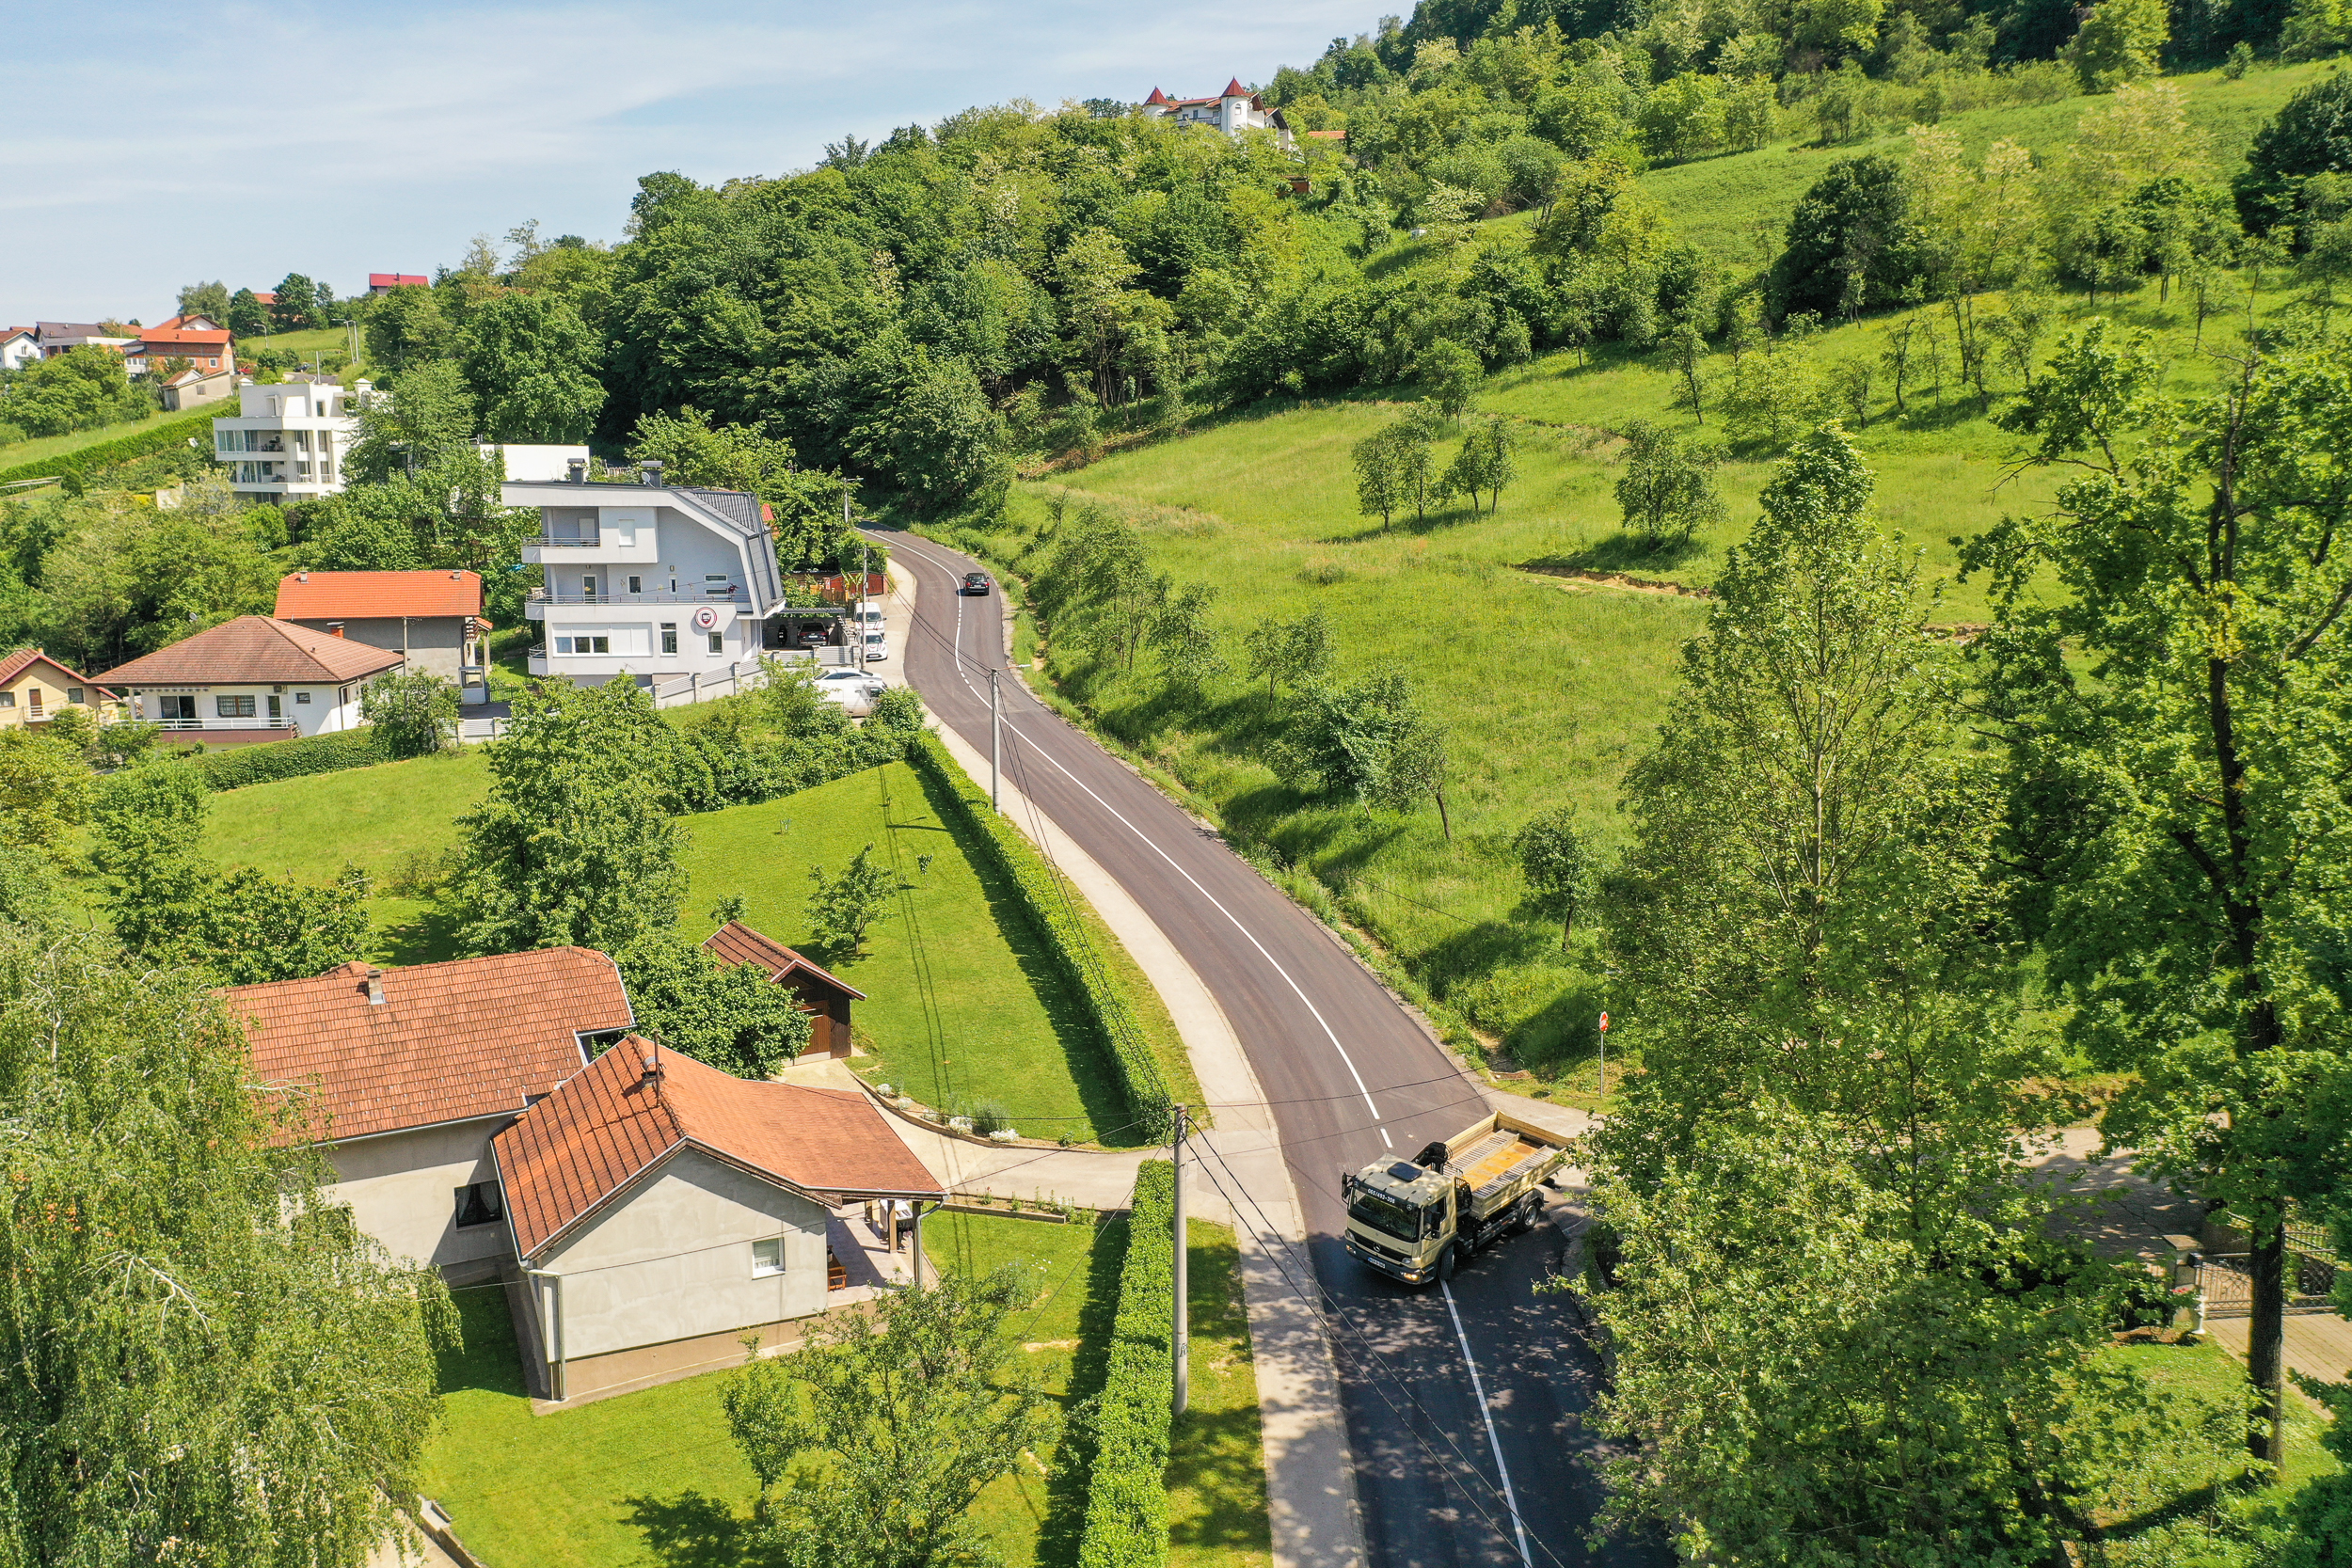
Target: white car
[(853, 689), (877, 646)]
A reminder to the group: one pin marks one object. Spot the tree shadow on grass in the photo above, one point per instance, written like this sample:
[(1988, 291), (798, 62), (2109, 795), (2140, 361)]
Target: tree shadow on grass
[(1472, 951), (485, 1357), (691, 1531), (1562, 1035), (430, 936), (1624, 552)]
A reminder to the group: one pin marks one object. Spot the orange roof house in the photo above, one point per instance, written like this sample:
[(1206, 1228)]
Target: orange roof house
[(824, 996), (434, 618)]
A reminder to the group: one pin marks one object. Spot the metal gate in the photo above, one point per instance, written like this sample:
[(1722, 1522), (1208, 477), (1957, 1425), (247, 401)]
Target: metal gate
[(2227, 1281)]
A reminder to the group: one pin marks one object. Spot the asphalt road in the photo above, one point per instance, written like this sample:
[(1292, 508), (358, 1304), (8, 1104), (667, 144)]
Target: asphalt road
[(1352, 1078)]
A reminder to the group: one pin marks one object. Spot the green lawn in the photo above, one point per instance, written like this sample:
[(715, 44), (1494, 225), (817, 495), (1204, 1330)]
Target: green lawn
[(46, 446), (654, 1477), (962, 1004)]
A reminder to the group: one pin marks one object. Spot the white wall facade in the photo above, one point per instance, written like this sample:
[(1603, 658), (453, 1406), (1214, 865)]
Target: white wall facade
[(288, 439), (672, 1257), (19, 350), (641, 590), (304, 709), (402, 1189)]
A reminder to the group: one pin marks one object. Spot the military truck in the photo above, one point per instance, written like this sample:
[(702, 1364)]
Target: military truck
[(1418, 1220)]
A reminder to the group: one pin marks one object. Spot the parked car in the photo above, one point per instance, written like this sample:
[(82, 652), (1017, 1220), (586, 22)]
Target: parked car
[(974, 582), (853, 687), (867, 616), (815, 636), (877, 646)]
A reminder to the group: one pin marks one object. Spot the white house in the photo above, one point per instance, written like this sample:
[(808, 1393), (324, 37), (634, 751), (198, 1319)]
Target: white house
[(19, 347), (649, 579), (252, 680), (288, 439), (1231, 111), (661, 1209), (410, 1072)]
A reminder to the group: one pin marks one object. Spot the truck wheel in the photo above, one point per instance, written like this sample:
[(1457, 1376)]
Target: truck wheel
[(1530, 1209), (1445, 1261)]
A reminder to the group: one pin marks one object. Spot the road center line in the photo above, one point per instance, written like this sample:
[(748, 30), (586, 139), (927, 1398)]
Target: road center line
[(1494, 1443), (1271, 961)]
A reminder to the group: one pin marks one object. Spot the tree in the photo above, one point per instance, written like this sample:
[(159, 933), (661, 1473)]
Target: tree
[(1187, 643), (197, 1350), (1380, 474), (530, 363), (205, 299), (1556, 858), (406, 325), (871, 1442), (2311, 133), (1370, 740), (44, 790), (735, 1018), (1667, 491), (1100, 578), (574, 844), (1452, 374), (414, 714), (1413, 763), (1852, 243), (1100, 311), (1483, 463), (2117, 42), (1298, 650), (2179, 808), (82, 389), (846, 904), (247, 316), (253, 928)]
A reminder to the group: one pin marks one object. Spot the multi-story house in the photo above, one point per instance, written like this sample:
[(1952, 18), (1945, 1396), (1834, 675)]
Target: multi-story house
[(1231, 111), (288, 439), (649, 579), (19, 347)]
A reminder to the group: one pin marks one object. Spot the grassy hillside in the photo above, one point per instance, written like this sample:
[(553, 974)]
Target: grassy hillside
[(47, 446), (1719, 202)]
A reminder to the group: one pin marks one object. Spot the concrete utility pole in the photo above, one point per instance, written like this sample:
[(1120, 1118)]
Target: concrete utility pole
[(992, 742), (1180, 1340)]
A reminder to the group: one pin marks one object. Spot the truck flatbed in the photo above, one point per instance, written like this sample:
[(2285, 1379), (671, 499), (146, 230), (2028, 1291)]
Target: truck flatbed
[(1495, 1160)]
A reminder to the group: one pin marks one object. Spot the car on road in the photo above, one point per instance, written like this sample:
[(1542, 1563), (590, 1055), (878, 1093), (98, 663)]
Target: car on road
[(877, 646), (853, 687), (974, 582)]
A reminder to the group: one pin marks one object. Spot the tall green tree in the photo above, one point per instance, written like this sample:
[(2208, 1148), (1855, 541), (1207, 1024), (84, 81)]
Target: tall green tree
[(2180, 792), (1557, 859), (574, 843), (414, 714), (1297, 649), (530, 363), (205, 299), (1667, 491), (842, 908), (1379, 475), (201, 1356), (737, 1020)]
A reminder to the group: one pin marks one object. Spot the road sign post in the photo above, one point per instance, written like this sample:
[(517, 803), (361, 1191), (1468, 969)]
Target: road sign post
[(1604, 1056)]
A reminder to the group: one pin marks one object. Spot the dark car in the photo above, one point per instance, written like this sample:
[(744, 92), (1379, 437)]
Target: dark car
[(814, 637), (974, 582)]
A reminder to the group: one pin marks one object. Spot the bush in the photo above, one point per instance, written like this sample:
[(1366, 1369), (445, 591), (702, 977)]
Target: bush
[(287, 759), (1127, 1495), (1051, 913), (413, 714)]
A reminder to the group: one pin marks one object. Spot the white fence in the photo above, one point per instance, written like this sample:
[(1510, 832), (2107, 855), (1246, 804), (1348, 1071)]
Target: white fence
[(702, 686)]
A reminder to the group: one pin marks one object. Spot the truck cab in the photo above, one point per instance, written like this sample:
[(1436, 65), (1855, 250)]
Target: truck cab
[(1400, 1219)]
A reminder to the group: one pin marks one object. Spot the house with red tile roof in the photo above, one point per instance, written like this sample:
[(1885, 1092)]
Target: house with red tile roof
[(19, 347), (433, 618), (661, 1209), (381, 283), (33, 687), (204, 349), (253, 679), (1234, 110), (407, 1074), (824, 996)]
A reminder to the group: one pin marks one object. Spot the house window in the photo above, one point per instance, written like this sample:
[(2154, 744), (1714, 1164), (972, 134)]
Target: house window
[(234, 707), (767, 1257), (301, 697), (669, 637), (563, 644), (32, 700), (479, 1205), (636, 585), (8, 699), (718, 642), (182, 708), (588, 586), (718, 585), (342, 695), (73, 693)]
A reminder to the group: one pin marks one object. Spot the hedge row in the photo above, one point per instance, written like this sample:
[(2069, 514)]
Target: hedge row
[(1127, 1496), (121, 450), (1049, 906), (238, 766)]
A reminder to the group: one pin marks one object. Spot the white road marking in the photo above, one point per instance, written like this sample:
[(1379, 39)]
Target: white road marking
[(1271, 961), (1510, 1499)]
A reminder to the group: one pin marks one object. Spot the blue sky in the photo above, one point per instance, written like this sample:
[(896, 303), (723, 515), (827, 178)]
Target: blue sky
[(144, 145)]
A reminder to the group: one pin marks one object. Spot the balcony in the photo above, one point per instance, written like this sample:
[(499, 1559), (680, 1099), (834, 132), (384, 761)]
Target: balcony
[(255, 723), (730, 594), (550, 541)]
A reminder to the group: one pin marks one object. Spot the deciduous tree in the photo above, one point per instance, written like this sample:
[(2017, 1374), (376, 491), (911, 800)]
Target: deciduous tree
[(1667, 491), (846, 904), (414, 714), (1557, 859), (735, 1018)]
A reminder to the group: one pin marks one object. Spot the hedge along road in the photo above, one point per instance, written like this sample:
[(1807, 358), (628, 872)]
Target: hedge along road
[(1443, 1477)]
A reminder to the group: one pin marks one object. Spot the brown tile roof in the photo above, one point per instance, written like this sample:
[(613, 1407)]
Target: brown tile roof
[(449, 1042), (367, 595), (577, 1150), (254, 649), (736, 943), (22, 659)]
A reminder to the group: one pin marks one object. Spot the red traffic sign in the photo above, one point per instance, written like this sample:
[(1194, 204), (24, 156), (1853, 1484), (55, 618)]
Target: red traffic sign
[(1604, 1023)]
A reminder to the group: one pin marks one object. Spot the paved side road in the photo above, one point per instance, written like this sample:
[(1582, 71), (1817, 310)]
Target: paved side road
[(1460, 1405)]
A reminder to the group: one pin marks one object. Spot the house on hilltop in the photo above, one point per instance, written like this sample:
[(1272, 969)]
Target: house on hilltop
[(288, 439), (1231, 111), (19, 347), (825, 997), (252, 680), (382, 283), (434, 618)]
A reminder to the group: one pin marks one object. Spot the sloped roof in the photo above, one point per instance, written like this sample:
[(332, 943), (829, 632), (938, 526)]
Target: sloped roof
[(184, 323), (22, 659), (1233, 88), (575, 1150), (254, 649), (1157, 97), (737, 943), (449, 1042), (369, 595), (151, 335), (396, 280)]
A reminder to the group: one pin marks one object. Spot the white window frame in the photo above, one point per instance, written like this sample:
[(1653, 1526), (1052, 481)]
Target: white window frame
[(767, 1257)]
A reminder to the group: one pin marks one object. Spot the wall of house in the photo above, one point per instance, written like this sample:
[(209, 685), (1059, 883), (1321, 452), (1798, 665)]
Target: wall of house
[(403, 1191), (330, 708), (434, 643), (19, 703), (672, 1259)]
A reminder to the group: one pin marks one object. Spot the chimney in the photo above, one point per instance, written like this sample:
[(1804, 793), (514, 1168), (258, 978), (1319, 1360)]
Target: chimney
[(334, 629), (653, 1062), (302, 576), (375, 987), (576, 470), (651, 471)]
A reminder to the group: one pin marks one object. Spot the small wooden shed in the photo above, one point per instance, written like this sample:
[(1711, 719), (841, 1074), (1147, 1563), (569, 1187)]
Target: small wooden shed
[(824, 996)]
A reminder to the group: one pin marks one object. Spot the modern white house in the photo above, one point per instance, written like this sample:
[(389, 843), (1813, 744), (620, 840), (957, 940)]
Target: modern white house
[(252, 680), (288, 439), (650, 579), (1231, 111), (408, 1074)]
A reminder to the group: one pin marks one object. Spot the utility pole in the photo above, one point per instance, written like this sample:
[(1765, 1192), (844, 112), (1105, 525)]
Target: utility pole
[(1180, 1340), (1604, 1056), (993, 733)]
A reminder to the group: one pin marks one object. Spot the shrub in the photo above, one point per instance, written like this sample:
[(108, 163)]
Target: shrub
[(1051, 912), (1127, 1495), (286, 759), (414, 714)]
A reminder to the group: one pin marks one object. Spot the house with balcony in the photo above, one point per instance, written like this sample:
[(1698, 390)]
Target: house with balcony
[(434, 618), (1233, 111), (253, 679), (288, 439), (652, 580), (207, 348)]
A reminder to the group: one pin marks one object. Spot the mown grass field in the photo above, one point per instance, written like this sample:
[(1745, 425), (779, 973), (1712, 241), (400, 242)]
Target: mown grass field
[(655, 1478)]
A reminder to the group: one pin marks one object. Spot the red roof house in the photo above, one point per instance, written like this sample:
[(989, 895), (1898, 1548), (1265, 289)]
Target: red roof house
[(34, 688), (433, 618), (384, 282)]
